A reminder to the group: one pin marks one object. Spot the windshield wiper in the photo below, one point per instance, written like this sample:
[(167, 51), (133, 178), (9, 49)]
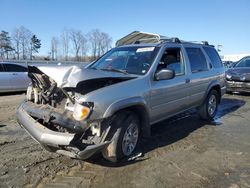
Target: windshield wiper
[(115, 70), (92, 68)]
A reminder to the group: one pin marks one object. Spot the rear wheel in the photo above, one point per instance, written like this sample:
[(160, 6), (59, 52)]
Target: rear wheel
[(209, 108), (124, 133)]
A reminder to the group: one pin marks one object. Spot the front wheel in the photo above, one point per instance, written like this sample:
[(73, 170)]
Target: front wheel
[(208, 109), (124, 133)]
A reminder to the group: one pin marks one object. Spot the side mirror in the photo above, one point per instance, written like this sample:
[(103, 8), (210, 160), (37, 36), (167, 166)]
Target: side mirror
[(165, 74)]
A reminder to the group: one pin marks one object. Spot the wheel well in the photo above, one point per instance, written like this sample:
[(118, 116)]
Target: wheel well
[(143, 117), (217, 88)]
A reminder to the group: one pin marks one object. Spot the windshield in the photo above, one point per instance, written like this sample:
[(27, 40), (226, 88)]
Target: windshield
[(130, 60), (243, 63)]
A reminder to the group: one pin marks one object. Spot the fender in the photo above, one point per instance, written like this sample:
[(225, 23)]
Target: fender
[(139, 103), (211, 85)]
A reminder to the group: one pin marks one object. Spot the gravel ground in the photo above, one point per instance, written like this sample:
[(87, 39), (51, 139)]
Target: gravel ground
[(182, 152)]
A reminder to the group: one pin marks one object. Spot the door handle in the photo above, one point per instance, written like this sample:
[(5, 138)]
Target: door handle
[(14, 74), (187, 80)]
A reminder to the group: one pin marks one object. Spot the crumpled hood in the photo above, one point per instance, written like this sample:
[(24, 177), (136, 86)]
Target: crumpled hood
[(70, 76)]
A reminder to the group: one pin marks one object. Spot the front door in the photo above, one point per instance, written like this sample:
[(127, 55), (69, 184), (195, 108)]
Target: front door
[(170, 96)]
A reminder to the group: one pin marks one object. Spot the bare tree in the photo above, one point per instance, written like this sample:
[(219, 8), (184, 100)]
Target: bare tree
[(65, 44), (93, 37), (54, 48), (100, 42), (83, 48), (25, 36), (77, 38), (104, 43), (16, 37)]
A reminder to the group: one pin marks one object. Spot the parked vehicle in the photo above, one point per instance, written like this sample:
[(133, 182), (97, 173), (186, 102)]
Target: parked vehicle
[(13, 77), (109, 105), (238, 76), (227, 64)]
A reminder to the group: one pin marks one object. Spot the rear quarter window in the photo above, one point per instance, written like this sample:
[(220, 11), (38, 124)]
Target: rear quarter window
[(213, 56)]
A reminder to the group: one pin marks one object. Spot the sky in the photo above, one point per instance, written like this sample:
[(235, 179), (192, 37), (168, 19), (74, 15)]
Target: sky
[(220, 22)]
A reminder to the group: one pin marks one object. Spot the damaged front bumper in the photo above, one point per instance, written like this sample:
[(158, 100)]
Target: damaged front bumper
[(61, 142), (236, 86)]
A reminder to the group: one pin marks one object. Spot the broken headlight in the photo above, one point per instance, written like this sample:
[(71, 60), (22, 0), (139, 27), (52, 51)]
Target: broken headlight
[(228, 76), (82, 111)]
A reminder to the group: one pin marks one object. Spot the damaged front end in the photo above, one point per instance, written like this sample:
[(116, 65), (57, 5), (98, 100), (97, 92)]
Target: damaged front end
[(53, 116)]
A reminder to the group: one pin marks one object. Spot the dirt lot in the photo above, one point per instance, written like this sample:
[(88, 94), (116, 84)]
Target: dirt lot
[(183, 152)]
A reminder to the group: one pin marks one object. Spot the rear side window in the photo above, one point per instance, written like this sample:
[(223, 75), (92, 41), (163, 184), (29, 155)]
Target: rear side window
[(1, 68), (197, 60), (214, 57), (15, 68)]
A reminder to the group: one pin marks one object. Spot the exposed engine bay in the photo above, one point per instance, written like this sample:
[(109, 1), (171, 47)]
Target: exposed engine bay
[(58, 108), (55, 115)]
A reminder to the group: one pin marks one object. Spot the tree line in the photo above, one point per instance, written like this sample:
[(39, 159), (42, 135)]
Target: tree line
[(71, 44), (23, 44)]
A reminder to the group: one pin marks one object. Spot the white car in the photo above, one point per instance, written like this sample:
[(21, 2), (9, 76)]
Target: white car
[(13, 77)]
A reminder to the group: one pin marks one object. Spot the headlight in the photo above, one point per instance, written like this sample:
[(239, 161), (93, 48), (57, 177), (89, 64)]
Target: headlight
[(228, 76), (81, 112)]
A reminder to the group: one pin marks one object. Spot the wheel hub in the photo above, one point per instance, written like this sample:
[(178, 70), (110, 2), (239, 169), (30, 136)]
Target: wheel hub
[(130, 139)]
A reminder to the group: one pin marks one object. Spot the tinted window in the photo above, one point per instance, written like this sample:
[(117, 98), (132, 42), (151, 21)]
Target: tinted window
[(1, 68), (15, 68), (214, 56), (197, 59)]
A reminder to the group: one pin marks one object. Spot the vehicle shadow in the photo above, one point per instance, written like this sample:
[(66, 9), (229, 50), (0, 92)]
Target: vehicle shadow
[(12, 93), (173, 129)]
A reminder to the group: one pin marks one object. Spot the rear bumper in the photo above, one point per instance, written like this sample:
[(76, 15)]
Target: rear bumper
[(234, 86), (63, 143)]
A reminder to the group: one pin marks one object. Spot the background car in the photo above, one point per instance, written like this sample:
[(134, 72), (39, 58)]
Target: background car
[(13, 77), (238, 76)]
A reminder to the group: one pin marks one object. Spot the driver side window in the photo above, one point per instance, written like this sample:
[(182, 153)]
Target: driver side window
[(172, 59)]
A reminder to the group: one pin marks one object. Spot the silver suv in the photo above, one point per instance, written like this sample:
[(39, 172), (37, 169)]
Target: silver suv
[(110, 104)]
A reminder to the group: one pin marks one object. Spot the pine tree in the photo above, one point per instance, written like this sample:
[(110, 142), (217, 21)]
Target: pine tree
[(5, 44), (35, 45)]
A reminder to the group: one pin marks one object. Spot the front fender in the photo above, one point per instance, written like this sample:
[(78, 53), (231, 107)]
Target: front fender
[(139, 105), (125, 103)]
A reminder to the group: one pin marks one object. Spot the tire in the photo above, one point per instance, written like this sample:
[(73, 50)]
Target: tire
[(208, 109), (122, 124)]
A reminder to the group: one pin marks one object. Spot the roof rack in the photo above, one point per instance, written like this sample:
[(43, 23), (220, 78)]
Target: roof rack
[(198, 42), (138, 37)]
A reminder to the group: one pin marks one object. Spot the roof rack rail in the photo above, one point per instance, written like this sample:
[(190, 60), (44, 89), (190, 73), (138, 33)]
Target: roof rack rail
[(199, 42)]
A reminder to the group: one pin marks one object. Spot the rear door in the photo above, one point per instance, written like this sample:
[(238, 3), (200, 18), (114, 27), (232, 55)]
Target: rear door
[(18, 79), (4, 79), (200, 76)]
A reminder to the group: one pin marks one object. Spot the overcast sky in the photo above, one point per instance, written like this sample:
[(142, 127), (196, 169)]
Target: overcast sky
[(225, 22)]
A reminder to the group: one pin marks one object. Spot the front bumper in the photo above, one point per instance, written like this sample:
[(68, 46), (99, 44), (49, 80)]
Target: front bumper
[(62, 143), (234, 86)]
